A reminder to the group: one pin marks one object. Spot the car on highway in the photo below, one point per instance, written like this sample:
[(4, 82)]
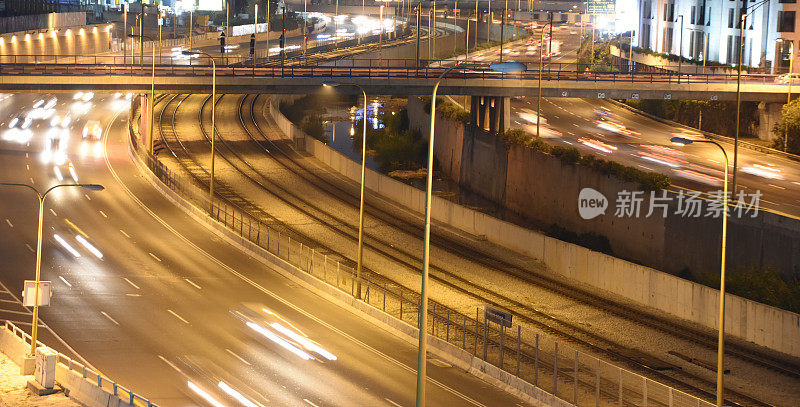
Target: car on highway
[(531, 116), (22, 121), (92, 130)]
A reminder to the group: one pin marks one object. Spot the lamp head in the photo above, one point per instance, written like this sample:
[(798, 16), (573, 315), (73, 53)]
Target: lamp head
[(93, 187), (330, 84), (681, 141), (508, 67)]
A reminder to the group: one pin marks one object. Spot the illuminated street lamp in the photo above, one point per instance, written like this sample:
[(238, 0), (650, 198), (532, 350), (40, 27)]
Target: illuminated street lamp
[(539, 98), (213, 117), (681, 141), (360, 254), (789, 93), (152, 89), (502, 67), (35, 322)]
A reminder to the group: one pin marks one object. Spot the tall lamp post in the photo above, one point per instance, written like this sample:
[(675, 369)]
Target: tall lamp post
[(539, 98), (680, 47), (152, 100), (360, 254), (502, 67), (789, 93), (35, 322), (720, 342), (213, 116)]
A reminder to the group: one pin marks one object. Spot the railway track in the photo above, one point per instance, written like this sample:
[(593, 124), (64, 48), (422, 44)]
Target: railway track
[(249, 123)]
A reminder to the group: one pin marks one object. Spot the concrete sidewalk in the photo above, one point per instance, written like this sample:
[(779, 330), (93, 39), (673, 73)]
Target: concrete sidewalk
[(14, 392)]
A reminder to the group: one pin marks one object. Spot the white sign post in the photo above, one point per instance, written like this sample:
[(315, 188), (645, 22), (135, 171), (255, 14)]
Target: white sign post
[(29, 295)]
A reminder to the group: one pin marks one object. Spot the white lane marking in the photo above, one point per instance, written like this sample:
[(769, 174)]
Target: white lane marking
[(177, 316), (28, 166), (53, 212), (30, 248), (126, 235), (109, 318), (87, 197), (154, 256), (131, 283), (310, 403), (776, 186), (65, 281), (133, 295), (32, 182), (104, 214), (391, 402), (192, 283), (169, 363), (237, 356), (795, 182), (261, 288), (26, 155), (9, 223)]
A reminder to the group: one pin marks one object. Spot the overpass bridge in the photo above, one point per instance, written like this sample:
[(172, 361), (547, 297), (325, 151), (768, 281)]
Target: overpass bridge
[(561, 80)]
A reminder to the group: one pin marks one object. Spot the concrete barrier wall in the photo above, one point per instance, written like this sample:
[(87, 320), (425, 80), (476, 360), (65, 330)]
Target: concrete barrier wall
[(749, 320), (79, 388)]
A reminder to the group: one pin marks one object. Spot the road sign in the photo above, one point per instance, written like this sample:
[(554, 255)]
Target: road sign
[(601, 7), (634, 96), (564, 93), (667, 96), (601, 95), (29, 295), (497, 316), (714, 97)]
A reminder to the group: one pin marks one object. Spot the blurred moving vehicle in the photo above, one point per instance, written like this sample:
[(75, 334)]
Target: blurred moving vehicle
[(92, 130), (787, 78)]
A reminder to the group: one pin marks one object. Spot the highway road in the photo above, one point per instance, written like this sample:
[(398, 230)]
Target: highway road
[(638, 141), (169, 303)]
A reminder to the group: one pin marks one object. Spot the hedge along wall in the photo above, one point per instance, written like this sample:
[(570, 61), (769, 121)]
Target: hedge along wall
[(749, 320)]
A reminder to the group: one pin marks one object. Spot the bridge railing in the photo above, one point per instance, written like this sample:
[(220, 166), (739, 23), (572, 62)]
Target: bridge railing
[(95, 66), (90, 375)]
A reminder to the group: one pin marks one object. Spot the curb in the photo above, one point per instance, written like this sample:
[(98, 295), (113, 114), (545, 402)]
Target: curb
[(713, 136), (450, 353)]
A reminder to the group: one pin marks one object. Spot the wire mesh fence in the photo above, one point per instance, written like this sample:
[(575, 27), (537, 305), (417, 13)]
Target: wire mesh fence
[(554, 366)]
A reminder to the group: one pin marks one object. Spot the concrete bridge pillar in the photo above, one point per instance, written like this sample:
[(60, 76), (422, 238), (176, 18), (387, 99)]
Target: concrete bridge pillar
[(769, 114), (491, 113)]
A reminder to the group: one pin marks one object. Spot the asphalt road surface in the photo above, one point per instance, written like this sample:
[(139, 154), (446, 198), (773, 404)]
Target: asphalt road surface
[(164, 311)]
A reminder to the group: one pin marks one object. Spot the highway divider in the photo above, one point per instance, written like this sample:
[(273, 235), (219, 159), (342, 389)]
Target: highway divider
[(531, 365), (78, 381)]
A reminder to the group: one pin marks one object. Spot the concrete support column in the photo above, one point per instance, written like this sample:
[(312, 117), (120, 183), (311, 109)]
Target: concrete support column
[(769, 114), (474, 103), (499, 114)]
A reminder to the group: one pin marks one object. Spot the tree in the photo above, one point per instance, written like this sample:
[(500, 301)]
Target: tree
[(788, 127)]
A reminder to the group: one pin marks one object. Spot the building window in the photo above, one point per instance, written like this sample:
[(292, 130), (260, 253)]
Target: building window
[(692, 16), (733, 49), (730, 18), (786, 21), (672, 12), (782, 56), (666, 11), (708, 24), (787, 1), (666, 46)]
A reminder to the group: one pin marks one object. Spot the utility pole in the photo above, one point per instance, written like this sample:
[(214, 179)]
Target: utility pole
[(418, 31), (141, 36)]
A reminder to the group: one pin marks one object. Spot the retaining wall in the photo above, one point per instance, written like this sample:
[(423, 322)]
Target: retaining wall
[(95, 39), (749, 320)]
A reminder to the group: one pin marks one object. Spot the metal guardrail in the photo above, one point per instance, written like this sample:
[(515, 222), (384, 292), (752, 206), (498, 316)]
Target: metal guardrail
[(90, 375), (354, 72), (555, 367)]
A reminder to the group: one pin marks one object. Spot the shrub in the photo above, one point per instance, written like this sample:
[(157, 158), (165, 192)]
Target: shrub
[(763, 285), (592, 241)]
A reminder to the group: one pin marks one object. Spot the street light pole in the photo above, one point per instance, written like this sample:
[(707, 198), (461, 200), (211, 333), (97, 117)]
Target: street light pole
[(41, 197), (360, 254), (680, 47), (721, 328), (788, 94), (422, 350), (539, 98), (152, 100), (213, 117)]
